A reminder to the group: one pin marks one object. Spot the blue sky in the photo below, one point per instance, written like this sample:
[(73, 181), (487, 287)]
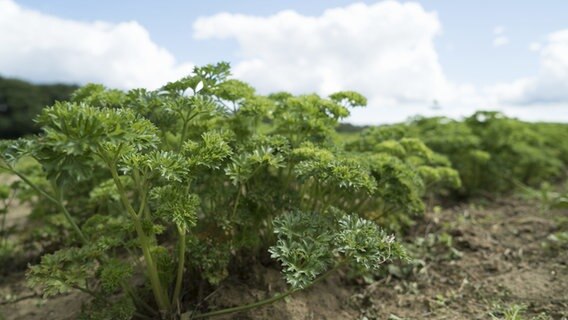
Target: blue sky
[(477, 48)]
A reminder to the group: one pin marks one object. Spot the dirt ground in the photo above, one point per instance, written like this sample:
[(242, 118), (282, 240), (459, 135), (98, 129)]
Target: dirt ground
[(480, 263), (483, 261)]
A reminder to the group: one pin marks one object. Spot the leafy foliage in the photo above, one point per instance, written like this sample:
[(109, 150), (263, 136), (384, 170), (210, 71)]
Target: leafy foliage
[(493, 153), (309, 243), (193, 177), (490, 152), (404, 170), (182, 184)]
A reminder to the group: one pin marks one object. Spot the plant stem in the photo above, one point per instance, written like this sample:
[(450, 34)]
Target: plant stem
[(159, 293), (183, 133), (4, 234), (137, 299), (239, 191), (58, 201), (265, 301), (246, 307), (181, 263), (59, 194), (157, 288), (91, 293)]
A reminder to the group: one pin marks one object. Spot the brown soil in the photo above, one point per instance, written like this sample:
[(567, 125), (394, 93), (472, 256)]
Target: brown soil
[(500, 256), (470, 262), (29, 305)]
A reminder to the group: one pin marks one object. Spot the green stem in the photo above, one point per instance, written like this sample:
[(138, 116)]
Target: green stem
[(181, 263), (68, 216), (4, 214), (57, 201), (137, 299), (316, 192), (183, 133), (157, 288), (239, 191), (142, 186), (159, 293), (265, 301), (288, 174), (92, 293), (246, 307), (142, 208)]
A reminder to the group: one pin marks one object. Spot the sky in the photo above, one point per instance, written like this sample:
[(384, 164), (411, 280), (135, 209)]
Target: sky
[(408, 58)]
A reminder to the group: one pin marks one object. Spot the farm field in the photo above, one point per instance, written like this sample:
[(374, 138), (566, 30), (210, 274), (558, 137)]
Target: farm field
[(205, 199), (484, 261)]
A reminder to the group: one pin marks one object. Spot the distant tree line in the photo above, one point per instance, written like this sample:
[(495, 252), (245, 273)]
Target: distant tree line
[(345, 127), (21, 101)]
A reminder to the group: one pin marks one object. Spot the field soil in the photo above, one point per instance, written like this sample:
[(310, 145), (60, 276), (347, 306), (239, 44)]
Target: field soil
[(471, 261)]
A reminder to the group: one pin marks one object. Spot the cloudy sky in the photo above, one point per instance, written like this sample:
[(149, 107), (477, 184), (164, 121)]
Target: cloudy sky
[(426, 57)]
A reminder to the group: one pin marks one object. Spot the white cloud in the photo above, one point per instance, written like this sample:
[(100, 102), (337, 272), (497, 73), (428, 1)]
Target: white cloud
[(550, 85), (535, 46), (499, 39), (384, 50), (498, 30), (42, 48)]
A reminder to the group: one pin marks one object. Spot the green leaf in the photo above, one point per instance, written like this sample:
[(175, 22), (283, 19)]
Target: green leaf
[(303, 247), (175, 204), (113, 273)]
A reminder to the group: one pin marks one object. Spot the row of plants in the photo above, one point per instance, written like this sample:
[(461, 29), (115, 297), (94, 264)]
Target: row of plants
[(492, 153)]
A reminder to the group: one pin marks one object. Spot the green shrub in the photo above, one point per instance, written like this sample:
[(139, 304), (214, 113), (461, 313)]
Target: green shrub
[(193, 176), (492, 153), (518, 152), (405, 171)]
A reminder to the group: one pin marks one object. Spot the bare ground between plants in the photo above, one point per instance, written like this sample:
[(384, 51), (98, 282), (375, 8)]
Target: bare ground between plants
[(472, 262)]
